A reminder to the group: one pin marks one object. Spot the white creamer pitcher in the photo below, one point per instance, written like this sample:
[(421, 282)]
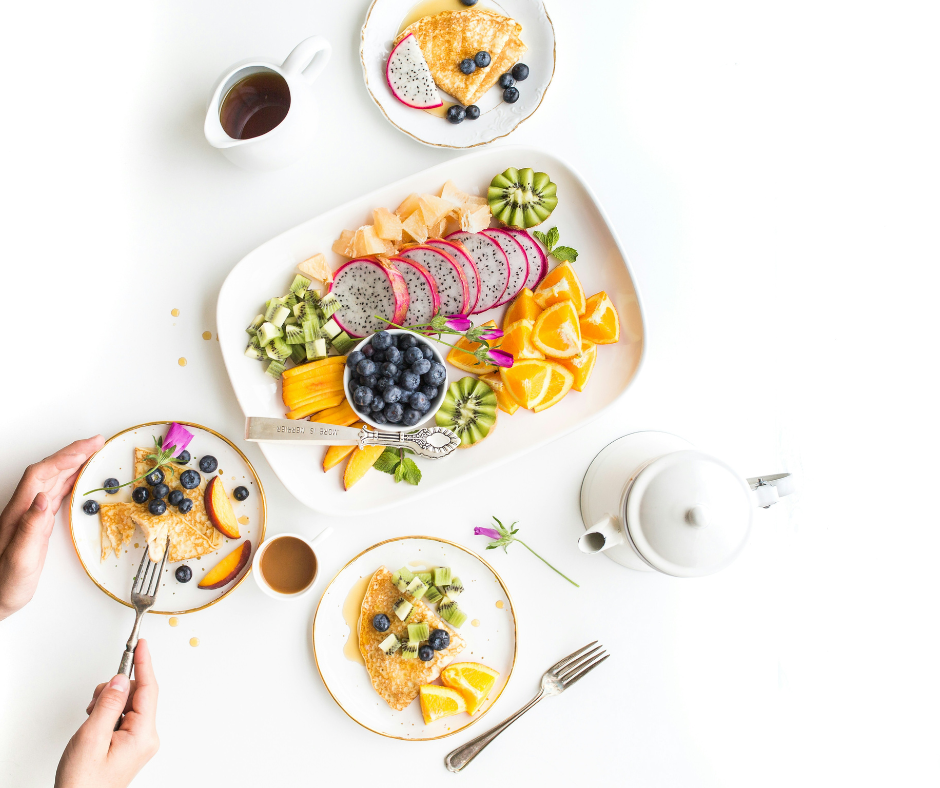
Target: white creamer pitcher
[(293, 136), (651, 501)]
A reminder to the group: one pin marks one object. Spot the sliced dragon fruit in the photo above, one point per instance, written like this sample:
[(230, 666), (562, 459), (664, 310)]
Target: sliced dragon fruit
[(366, 287), (538, 261), (451, 282), (466, 263), (518, 262), (492, 267), (409, 77), (423, 299)]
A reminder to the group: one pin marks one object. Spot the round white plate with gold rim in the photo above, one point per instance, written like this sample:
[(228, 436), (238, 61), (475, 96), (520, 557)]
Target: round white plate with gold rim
[(386, 18), (115, 575), (490, 632)]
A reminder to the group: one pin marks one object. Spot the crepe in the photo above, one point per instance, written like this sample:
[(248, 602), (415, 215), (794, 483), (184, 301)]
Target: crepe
[(117, 527), (397, 680), (448, 38)]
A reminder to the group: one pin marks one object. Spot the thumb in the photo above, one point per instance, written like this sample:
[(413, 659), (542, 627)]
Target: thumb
[(109, 707), (36, 521)]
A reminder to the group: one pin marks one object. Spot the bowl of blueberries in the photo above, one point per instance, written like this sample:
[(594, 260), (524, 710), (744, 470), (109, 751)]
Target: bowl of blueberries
[(395, 377)]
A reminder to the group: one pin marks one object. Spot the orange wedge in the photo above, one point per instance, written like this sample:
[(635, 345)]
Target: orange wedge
[(522, 308), (561, 284), (466, 361), (559, 384), (527, 381), (503, 398), (582, 365), (438, 702), (600, 322), (472, 680), (517, 340), (557, 332)]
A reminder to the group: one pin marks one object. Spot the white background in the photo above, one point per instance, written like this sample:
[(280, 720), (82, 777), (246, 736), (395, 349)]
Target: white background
[(772, 170)]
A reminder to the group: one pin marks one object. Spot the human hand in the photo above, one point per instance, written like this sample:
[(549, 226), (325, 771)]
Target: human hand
[(27, 521), (98, 756)]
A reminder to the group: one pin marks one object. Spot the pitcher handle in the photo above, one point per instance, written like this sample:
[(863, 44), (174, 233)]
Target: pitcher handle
[(309, 58)]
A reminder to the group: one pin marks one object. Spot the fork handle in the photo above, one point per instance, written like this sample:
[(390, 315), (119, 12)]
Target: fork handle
[(457, 759), (127, 659)]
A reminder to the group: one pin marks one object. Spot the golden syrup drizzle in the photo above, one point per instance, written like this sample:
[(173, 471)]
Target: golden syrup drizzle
[(243, 520), (475, 622), (175, 312), (174, 621), (499, 604), (182, 362), (194, 642), (352, 608), (207, 335), (433, 7)]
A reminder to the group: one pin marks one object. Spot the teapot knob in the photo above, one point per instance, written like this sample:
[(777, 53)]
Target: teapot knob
[(697, 516)]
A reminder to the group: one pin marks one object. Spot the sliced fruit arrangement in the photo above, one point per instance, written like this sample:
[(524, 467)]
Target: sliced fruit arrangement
[(469, 410), (461, 356), (473, 680), (228, 568), (313, 387)]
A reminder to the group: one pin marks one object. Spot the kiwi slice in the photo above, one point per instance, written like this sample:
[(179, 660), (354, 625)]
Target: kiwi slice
[(522, 198), (343, 343), (441, 575), (451, 613), (418, 632), (267, 332), (277, 349), (299, 286), (293, 335), (390, 645), (298, 353), (417, 589), (328, 305), (254, 351), (425, 577), (330, 329), (409, 650), (469, 411), (453, 589), (255, 325), (402, 578), (432, 594), (315, 349), (403, 609), (274, 369)]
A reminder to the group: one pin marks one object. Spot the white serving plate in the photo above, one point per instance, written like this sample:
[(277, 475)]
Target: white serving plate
[(492, 642), (498, 118), (115, 575), (268, 271)]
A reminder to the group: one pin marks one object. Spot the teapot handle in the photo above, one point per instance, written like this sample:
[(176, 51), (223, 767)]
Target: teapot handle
[(308, 58), (767, 490)]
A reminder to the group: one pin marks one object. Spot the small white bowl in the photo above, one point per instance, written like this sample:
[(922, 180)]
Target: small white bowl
[(259, 577), (435, 403)]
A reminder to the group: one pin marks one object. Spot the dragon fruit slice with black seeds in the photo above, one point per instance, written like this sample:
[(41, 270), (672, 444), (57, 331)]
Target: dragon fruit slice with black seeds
[(451, 282), (469, 268), (409, 77), (492, 267), (518, 262), (423, 300), (366, 287), (538, 261)]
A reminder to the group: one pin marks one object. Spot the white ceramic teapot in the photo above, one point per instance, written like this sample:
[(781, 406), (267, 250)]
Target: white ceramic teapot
[(651, 501)]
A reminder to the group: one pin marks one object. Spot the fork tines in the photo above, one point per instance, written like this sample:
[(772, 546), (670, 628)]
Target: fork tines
[(147, 579), (578, 664)]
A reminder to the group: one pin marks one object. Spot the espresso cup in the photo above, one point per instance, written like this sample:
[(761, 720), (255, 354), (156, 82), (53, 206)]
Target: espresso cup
[(272, 585)]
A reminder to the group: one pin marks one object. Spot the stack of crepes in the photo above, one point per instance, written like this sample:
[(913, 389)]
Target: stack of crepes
[(450, 37), (191, 534)]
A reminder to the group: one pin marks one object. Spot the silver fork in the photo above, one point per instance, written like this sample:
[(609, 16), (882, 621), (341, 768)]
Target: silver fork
[(555, 680), (147, 579)]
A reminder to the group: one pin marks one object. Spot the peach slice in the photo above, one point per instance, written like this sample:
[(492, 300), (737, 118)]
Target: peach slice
[(228, 568), (219, 508), (359, 462)]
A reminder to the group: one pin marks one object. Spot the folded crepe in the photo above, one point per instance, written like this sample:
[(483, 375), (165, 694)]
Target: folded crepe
[(117, 527), (448, 38)]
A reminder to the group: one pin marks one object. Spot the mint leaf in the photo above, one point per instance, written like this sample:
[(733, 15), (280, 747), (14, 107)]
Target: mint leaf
[(552, 237), (564, 253), (387, 461), (541, 237), (399, 472), (410, 473)]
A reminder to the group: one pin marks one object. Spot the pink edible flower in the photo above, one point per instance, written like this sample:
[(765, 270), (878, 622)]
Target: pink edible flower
[(500, 358), (492, 534), (458, 322), (178, 437), (493, 333)]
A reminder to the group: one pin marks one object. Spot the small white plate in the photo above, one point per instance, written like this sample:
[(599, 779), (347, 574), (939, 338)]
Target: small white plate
[(492, 641), (115, 575), (498, 118)]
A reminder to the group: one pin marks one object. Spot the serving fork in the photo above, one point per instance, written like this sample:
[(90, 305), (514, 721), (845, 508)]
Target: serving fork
[(143, 595), (555, 680)]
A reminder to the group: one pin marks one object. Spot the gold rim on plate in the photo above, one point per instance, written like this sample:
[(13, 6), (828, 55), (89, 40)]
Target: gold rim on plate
[(515, 636), (264, 515)]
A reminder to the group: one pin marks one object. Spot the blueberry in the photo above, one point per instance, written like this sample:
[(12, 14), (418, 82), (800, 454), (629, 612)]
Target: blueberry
[(482, 59), (511, 95), (190, 479), (157, 507), (420, 402), (467, 66), (378, 357), (520, 71), (427, 352), (183, 457), (391, 394), (160, 491), (367, 351), (377, 404), (469, 2), (90, 507), (456, 114), (368, 381), (111, 486), (383, 383), (366, 367), (174, 498), (405, 397), (240, 493), (394, 412), (425, 653), (389, 369), (473, 112), (184, 574), (382, 340), (421, 366), (362, 396), (397, 378), (436, 375), (185, 506), (379, 417), (380, 622), (393, 354), (140, 494), (354, 358), (439, 639), (410, 381), (406, 341), (429, 391), (156, 477), (506, 80), (410, 417), (207, 464), (412, 355)]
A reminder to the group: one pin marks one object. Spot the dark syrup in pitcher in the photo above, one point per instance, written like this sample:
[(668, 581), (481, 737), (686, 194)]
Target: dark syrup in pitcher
[(254, 105)]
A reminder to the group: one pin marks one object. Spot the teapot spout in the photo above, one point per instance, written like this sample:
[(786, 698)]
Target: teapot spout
[(604, 534)]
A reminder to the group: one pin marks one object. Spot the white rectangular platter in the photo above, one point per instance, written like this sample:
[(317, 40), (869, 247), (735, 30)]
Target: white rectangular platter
[(268, 270)]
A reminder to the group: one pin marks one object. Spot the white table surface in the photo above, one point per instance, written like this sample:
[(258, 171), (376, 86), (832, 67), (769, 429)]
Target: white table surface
[(772, 171)]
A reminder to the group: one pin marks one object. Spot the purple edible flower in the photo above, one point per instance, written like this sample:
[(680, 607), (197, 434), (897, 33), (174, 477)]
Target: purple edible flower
[(178, 437), (458, 322), (500, 358), (493, 333), (492, 534)]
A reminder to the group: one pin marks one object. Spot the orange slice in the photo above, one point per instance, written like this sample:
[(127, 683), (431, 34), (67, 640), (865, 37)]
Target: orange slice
[(517, 340), (472, 680), (581, 365), (557, 332), (522, 308), (527, 381), (559, 384), (503, 398), (466, 361), (561, 284), (600, 322), (438, 702)]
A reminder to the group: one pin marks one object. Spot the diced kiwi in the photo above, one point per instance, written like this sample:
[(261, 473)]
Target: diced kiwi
[(330, 329), (299, 285), (253, 351), (441, 575), (298, 353), (312, 296), (280, 315), (267, 332), (390, 645), (255, 325), (274, 369), (451, 613), (409, 650), (272, 306), (425, 577), (277, 349), (291, 300), (453, 589), (418, 632), (403, 609), (328, 305), (416, 588), (402, 578), (343, 343), (432, 594), (293, 335), (316, 349)]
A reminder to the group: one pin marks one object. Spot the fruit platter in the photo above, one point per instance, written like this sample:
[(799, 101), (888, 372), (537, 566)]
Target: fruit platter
[(482, 297)]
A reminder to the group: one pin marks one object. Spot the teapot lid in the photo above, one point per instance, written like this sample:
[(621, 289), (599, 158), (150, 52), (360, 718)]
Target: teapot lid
[(688, 514)]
